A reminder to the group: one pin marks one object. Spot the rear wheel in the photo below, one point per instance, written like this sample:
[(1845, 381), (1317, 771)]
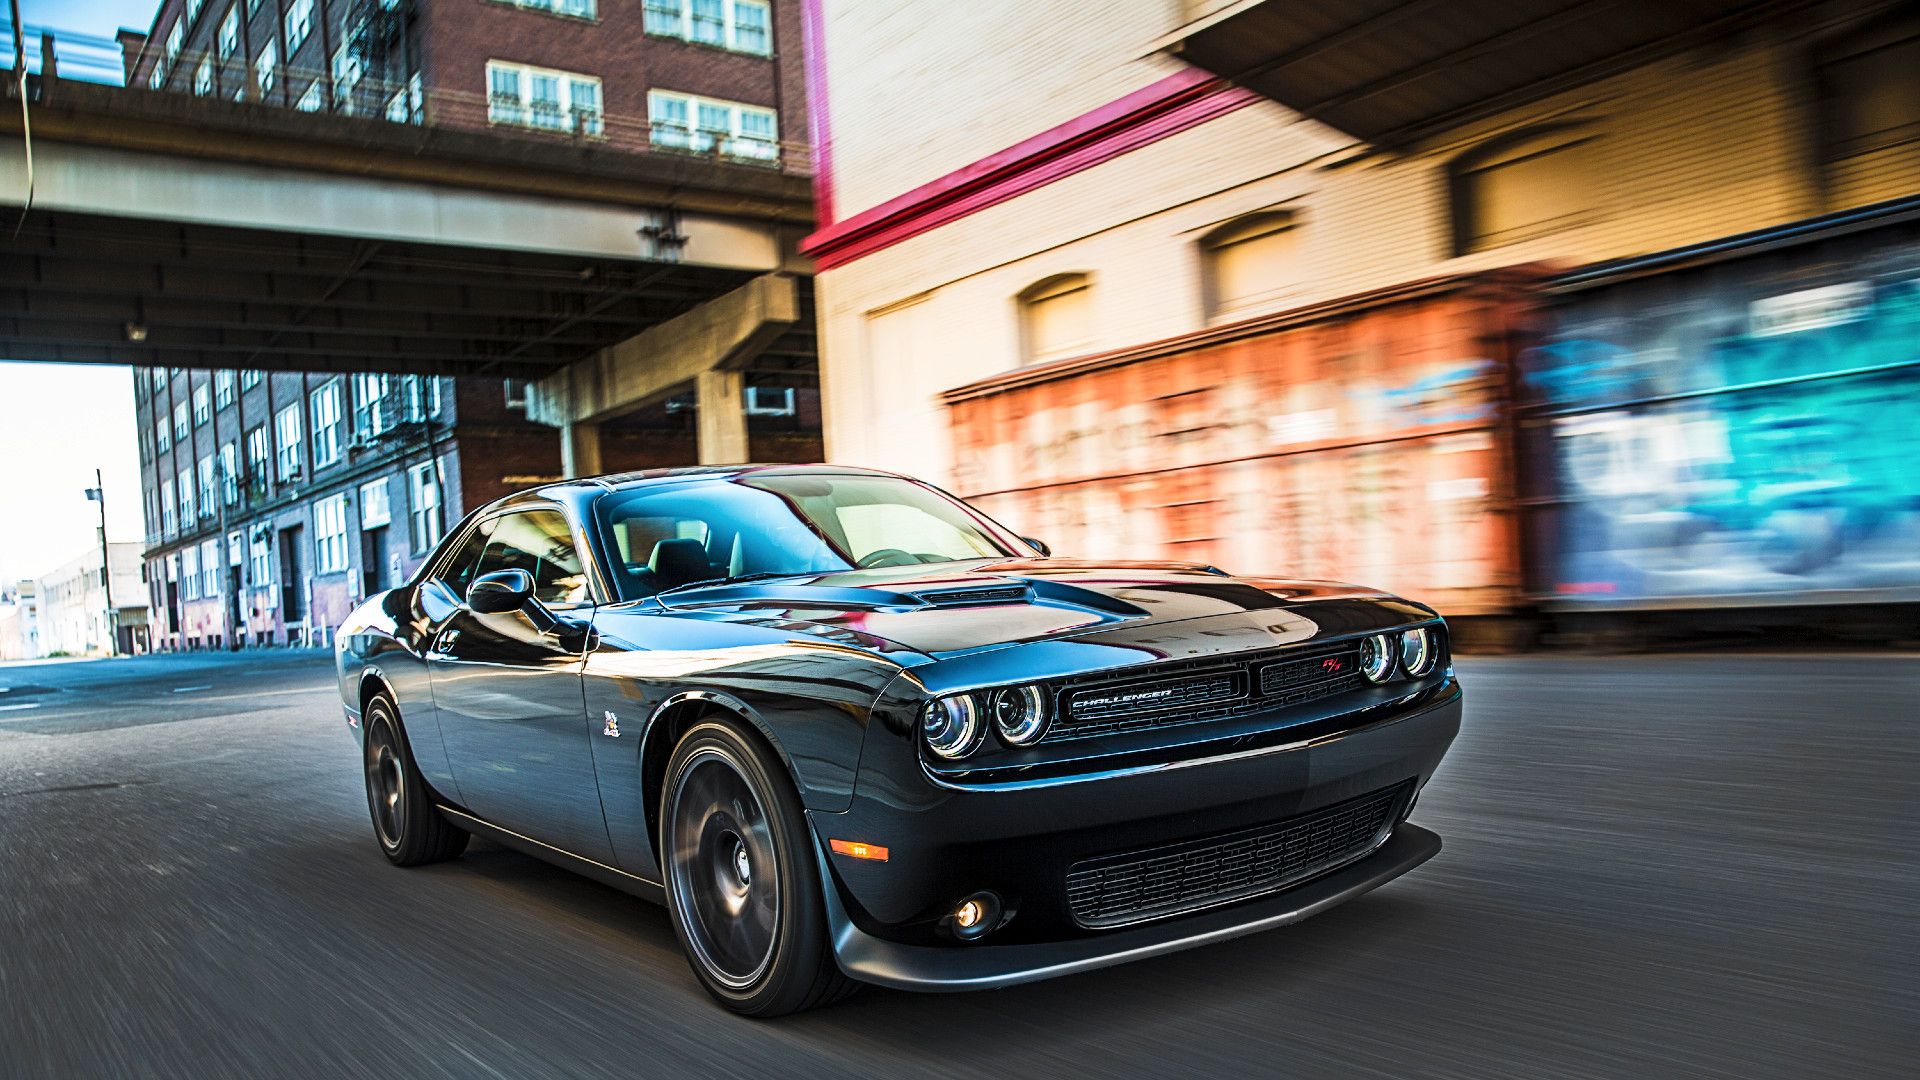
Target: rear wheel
[(410, 830), (742, 884)]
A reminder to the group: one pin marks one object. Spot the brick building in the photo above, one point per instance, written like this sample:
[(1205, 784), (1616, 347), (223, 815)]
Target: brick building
[(719, 77), (276, 501)]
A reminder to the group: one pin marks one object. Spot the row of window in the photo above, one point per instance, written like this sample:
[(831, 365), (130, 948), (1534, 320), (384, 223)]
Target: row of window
[(197, 566), (375, 411), (546, 99)]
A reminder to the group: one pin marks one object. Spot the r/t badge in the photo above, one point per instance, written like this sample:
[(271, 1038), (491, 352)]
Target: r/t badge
[(613, 725)]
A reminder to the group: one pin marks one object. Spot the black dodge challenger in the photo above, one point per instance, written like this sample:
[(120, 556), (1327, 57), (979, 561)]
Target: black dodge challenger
[(850, 730)]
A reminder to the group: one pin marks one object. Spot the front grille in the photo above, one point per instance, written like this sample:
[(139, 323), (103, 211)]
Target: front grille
[(1134, 886), (1189, 693)]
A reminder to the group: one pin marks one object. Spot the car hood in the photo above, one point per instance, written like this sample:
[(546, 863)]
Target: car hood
[(953, 609)]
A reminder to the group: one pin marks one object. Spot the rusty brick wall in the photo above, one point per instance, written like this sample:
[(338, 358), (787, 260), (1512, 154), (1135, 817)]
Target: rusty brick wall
[(1368, 445)]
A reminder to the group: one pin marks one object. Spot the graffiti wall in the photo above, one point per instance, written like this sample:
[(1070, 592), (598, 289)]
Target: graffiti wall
[(1365, 446), (1742, 433)]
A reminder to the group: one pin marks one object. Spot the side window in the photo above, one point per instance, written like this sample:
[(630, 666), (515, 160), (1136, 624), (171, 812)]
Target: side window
[(541, 543), (458, 571)]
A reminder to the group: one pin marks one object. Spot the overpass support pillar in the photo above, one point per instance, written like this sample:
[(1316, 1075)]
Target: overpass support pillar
[(720, 400), (579, 449), (710, 347)]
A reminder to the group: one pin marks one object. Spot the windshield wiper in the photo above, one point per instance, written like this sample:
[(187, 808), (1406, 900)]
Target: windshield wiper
[(734, 580)]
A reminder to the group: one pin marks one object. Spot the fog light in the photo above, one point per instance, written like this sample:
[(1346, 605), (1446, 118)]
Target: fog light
[(974, 916)]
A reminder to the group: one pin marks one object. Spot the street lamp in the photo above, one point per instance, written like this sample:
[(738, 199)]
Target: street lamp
[(98, 494)]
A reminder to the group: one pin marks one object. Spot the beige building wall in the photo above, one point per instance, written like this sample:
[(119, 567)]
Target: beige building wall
[(1689, 149)]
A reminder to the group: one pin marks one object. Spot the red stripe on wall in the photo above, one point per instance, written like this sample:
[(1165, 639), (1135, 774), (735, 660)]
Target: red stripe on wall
[(1172, 105)]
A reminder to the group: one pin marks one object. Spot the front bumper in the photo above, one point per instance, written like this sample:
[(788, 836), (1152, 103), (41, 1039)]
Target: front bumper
[(936, 968), (945, 843)]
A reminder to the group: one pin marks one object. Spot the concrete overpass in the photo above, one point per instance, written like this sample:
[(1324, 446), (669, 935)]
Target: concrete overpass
[(163, 229)]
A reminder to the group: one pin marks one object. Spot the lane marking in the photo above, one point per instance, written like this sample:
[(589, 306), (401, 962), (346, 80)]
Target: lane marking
[(191, 689), (22, 705)]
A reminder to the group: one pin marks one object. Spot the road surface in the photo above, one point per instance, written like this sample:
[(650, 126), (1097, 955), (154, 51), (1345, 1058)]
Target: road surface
[(1655, 866)]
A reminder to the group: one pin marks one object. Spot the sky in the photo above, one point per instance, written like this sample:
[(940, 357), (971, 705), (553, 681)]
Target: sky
[(59, 422)]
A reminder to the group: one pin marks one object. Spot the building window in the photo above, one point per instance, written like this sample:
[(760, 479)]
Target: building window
[(740, 25), (162, 436), (769, 401), (203, 77), (543, 99), (298, 24), (286, 430), (312, 99), (190, 573), (265, 65), (222, 389), (249, 379), (1250, 262), (210, 568), (180, 421), (370, 412), (579, 9), (167, 520), (206, 485), (330, 534), (1871, 85), (159, 377), (347, 70), (176, 38), (375, 508), (186, 497), (157, 77), (1056, 317), (1525, 185), (708, 125), (407, 105), (257, 458), (326, 424), (423, 506), (202, 405), (229, 474), (422, 394), (260, 563), (230, 31)]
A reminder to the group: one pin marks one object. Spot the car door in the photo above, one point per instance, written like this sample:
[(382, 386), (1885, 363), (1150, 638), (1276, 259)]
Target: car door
[(508, 695)]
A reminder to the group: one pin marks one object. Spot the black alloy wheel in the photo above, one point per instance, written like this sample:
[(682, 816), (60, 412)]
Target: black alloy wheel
[(742, 885), (410, 830)]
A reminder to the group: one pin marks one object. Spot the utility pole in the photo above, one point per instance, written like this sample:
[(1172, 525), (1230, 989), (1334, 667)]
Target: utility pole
[(98, 494)]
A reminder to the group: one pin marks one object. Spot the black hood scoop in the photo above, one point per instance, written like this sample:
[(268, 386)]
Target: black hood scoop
[(970, 595)]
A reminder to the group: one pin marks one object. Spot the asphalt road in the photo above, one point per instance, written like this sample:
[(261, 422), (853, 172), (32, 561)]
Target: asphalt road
[(1655, 866)]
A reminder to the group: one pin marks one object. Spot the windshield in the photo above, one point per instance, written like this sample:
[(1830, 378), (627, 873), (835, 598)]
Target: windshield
[(665, 537)]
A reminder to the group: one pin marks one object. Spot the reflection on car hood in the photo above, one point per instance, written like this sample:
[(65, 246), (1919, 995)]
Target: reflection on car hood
[(949, 609)]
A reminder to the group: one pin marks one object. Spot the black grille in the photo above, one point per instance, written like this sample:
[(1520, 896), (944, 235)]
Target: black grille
[(1186, 694), (1156, 882)]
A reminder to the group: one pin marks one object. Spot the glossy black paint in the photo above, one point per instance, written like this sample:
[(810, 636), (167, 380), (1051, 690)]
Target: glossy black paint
[(554, 725)]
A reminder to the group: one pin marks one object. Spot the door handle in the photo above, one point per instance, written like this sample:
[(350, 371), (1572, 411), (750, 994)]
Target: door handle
[(444, 642)]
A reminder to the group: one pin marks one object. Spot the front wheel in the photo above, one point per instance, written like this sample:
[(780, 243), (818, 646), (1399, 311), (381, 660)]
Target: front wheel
[(742, 885), (410, 830)]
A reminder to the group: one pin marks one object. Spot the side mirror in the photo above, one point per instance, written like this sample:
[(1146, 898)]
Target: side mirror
[(1038, 545), (506, 591)]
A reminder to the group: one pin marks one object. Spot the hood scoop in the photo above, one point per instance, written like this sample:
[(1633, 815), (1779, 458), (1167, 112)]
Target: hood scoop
[(970, 595)]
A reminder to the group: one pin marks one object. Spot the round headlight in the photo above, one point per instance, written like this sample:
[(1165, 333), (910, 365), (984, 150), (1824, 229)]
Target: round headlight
[(1418, 651), (1020, 712), (951, 725), (1376, 658)]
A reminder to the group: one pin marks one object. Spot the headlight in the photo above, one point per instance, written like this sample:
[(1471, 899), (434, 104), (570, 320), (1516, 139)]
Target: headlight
[(1376, 658), (951, 725), (1418, 651), (1020, 712)]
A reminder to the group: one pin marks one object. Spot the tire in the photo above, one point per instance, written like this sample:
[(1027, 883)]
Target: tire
[(742, 883), (410, 830)]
